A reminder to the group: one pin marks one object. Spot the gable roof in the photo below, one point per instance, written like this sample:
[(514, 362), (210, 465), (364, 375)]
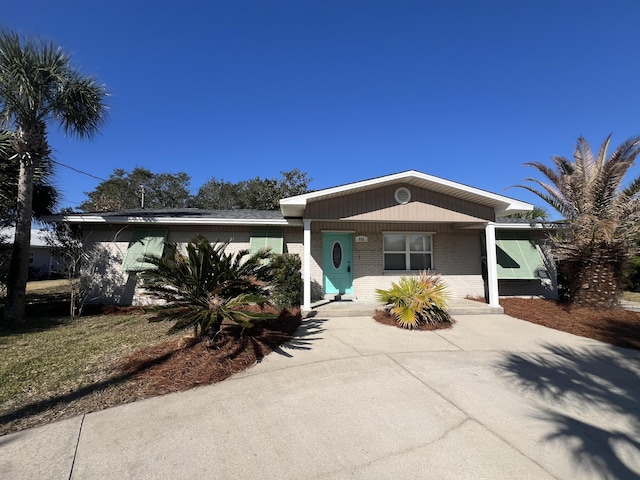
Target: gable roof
[(295, 206)]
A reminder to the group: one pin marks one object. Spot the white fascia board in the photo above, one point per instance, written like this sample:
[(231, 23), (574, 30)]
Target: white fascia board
[(519, 226), (526, 226), (301, 200), (294, 206), (176, 220)]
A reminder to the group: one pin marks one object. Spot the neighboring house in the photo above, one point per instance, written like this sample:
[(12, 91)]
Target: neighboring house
[(354, 238), (42, 264)]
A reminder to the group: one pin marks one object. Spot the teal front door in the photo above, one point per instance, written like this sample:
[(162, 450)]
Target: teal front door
[(337, 263)]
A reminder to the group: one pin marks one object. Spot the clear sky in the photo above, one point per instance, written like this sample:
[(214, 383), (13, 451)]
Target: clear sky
[(345, 90)]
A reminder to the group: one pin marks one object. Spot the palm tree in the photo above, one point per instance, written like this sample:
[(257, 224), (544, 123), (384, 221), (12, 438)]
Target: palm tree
[(538, 214), (603, 218), (38, 85), (45, 194)]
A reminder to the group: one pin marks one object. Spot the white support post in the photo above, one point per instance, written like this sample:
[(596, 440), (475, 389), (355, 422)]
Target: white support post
[(492, 265), (306, 266)]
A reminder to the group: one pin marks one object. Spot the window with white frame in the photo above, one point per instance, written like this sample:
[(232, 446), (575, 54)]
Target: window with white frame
[(410, 251)]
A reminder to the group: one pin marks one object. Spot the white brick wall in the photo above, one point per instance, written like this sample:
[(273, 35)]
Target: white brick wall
[(456, 257), (117, 241)]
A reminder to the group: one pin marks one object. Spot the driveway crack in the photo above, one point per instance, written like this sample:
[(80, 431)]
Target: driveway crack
[(75, 452)]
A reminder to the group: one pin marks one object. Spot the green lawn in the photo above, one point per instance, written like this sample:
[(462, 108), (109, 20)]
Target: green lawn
[(58, 357)]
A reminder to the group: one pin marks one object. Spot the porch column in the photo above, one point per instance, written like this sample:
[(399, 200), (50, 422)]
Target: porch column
[(492, 264), (306, 266)]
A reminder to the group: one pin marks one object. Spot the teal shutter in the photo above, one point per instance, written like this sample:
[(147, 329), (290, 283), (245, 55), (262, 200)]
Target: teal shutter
[(518, 258), (145, 241), (272, 239)]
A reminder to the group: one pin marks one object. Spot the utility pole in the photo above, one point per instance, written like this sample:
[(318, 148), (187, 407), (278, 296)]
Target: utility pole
[(142, 196)]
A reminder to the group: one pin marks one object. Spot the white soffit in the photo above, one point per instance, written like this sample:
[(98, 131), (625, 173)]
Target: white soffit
[(295, 206)]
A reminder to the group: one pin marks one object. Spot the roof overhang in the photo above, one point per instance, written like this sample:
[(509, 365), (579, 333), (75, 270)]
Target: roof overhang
[(295, 206), (94, 218)]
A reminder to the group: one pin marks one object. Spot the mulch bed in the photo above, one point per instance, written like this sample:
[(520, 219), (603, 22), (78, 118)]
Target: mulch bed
[(179, 365), (616, 326), (384, 317)]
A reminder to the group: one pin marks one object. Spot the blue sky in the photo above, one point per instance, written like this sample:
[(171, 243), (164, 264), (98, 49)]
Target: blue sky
[(343, 89)]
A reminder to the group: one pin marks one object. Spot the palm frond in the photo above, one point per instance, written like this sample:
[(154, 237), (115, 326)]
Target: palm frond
[(633, 189), (603, 219), (206, 286), (38, 84), (416, 300)]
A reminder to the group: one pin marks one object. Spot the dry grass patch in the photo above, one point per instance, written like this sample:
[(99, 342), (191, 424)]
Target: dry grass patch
[(57, 369), (631, 296)]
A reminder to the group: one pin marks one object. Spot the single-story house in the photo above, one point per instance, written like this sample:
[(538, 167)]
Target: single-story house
[(43, 263), (352, 239)]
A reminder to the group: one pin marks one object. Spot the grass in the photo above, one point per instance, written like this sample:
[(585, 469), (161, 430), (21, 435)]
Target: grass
[(631, 296), (55, 368), (55, 358), (51, 358)]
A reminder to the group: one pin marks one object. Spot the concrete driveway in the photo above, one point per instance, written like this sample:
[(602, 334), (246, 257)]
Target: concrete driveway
[(491, 398)]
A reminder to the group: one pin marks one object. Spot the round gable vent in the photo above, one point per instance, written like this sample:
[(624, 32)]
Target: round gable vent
[(402, 195)]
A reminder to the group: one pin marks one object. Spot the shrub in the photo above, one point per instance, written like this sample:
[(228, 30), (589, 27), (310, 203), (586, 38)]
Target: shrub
[(416, 300), (632, 275), (287, 281), (208, 286)]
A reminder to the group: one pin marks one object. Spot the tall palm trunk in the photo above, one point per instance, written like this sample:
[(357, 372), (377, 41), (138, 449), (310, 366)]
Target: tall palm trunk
[(595, 281), (31, 147)]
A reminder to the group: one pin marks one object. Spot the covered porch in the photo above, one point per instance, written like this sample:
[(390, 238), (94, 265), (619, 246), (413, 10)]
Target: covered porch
[(362, 236)]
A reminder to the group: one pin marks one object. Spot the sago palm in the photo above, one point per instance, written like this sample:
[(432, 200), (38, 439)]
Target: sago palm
[(207, 286), (38, 86), (603, 217)]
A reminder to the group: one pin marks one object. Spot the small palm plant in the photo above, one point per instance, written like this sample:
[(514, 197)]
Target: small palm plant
[(207, 287), (416, 300)]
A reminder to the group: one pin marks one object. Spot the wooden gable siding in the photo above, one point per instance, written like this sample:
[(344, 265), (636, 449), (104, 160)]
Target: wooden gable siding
[(367, 228), (380, 205)]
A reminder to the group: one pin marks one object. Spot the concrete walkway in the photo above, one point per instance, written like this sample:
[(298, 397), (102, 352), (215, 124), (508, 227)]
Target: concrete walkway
[(491, 398), (367, 308)]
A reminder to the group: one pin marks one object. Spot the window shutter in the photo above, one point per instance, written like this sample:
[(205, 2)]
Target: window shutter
[(518, 258), (272, 239), (145, 241)]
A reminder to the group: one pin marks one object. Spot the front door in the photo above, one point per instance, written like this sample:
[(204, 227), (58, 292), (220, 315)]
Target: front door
[(337, 263)]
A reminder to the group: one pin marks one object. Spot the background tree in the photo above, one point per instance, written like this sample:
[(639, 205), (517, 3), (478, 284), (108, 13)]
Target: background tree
[(123, 191), (603, 218), (256, 193), (87, 267), (38, 85), (215, 194), (538, 214)]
